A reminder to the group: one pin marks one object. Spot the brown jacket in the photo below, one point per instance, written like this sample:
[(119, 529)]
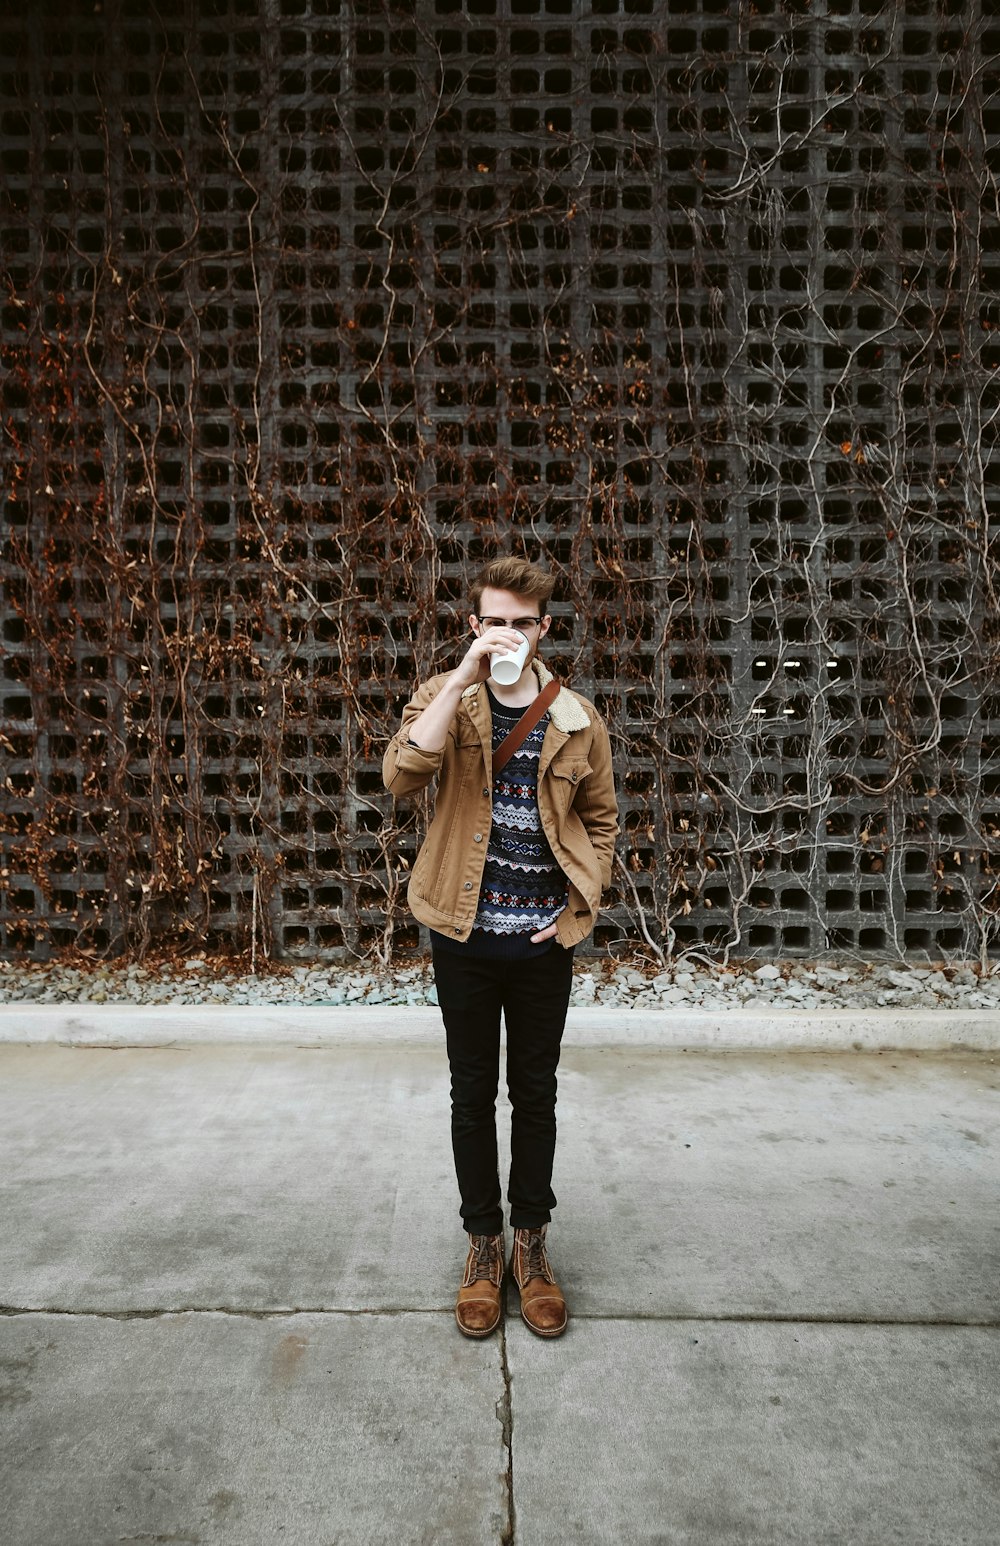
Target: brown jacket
[(576, 802)]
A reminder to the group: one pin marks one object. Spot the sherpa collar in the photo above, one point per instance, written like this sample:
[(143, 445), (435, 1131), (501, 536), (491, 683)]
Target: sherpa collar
[(566, 712)]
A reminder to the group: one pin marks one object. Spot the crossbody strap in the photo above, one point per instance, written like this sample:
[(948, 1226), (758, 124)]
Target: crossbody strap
[(529, 719)]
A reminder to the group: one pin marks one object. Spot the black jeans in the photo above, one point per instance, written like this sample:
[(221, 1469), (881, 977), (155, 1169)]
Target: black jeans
[(534, 996)]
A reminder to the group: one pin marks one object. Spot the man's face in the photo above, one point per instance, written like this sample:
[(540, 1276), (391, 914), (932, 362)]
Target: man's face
[(505, 606)]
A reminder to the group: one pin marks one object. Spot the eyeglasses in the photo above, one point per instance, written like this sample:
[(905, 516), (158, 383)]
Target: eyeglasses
[(522, 624)]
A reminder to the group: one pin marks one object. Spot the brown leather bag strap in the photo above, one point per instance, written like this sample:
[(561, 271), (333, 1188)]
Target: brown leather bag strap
[(529, 719)]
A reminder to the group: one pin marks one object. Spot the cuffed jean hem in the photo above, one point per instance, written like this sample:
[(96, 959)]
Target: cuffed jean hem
[(520, 1220), (484, 1226)]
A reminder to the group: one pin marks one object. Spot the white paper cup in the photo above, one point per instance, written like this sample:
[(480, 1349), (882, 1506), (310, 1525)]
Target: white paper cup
[(505, 669)]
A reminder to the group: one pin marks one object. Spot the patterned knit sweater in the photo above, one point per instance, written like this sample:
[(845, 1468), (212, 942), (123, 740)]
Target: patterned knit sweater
[(523, 889)]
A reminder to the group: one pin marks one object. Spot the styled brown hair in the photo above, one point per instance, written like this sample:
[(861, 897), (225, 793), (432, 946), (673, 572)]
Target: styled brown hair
[(513, 574)]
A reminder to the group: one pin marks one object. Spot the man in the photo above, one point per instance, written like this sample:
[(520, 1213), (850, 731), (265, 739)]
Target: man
[(509, 881)]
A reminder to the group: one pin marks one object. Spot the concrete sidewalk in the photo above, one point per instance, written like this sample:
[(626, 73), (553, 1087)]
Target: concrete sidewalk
[(228, 1274)]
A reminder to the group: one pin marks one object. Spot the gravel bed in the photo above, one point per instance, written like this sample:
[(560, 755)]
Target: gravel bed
[(692, 985)]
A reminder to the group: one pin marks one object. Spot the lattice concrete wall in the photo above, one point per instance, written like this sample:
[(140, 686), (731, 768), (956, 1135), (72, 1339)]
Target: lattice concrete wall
[(311, 305)]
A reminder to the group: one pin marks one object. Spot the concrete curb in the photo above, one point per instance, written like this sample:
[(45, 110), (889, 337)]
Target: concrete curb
[(735, 1029)]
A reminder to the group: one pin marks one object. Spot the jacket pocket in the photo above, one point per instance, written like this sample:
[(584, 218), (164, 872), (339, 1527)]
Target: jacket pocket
[(567, 774), (465, 737)]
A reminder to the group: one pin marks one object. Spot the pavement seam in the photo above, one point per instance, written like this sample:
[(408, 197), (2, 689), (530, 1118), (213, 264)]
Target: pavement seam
[(11, 1311), (991, 1324), (793, 1320)]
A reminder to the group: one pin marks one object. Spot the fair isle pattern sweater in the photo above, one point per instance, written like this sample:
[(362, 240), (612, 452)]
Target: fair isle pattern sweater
[(523, 888)]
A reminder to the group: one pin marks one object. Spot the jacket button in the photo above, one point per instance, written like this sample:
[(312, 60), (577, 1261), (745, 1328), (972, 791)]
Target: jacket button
[(486, 794), (468, 885), (574, 775), (478, 837)]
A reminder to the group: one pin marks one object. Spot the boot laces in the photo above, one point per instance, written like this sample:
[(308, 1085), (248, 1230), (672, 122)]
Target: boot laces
[(488, 1256), (534, 1263)]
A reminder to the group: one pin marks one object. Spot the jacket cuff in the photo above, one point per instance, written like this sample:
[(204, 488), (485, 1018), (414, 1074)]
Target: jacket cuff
[(411, 758)]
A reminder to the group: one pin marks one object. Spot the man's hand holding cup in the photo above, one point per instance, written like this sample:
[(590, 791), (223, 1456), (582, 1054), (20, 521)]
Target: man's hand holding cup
[(492, 645)]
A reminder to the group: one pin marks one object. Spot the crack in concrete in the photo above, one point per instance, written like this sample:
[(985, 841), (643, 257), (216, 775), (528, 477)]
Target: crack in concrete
[(505, 1414), (988, 1323)]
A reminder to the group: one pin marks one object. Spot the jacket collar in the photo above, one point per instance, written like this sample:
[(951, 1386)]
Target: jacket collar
[(566, 712)]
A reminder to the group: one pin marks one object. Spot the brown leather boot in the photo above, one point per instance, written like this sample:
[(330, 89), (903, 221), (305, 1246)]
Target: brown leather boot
[(477, 1307), (543, 1308)]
